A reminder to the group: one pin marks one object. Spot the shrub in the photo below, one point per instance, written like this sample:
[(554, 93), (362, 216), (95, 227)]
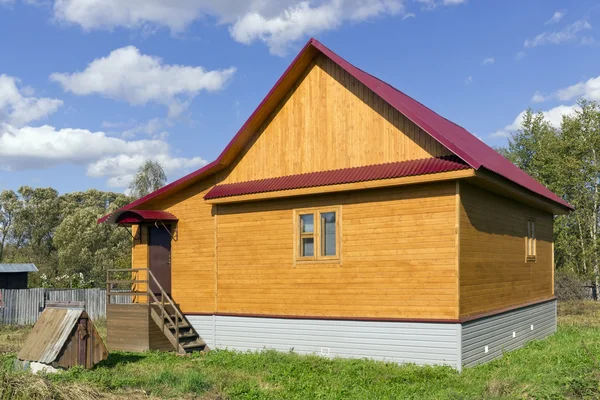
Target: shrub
[(568, 286)]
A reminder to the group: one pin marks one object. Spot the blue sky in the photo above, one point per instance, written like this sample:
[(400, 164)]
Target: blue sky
[(89, 89)]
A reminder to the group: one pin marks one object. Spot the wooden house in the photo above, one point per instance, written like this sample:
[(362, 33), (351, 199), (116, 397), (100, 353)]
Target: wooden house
[(346, 219)]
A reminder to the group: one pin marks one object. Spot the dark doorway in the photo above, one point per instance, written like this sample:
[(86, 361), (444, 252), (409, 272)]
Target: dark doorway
[(160, 256)]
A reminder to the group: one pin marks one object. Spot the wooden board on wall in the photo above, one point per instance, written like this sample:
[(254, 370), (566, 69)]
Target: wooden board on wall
[(398, 257), (329, 120), (192, 248), (494, 273), (127, 327)]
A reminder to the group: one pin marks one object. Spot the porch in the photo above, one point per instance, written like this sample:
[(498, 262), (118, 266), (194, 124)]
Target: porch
[(152, 321)]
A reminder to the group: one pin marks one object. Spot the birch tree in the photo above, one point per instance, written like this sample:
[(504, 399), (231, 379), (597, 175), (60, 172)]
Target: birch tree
[(150, 177), (567, 161)]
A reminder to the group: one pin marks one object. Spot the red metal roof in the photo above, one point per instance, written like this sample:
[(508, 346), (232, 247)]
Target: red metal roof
[(127, 217), (454, 137), (457, 139), (340, 176)]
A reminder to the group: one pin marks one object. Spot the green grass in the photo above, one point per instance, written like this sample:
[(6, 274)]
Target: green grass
[(564, 366)]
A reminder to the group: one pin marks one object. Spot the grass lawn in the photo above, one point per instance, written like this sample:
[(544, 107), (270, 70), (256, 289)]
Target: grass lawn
[(564, 366)]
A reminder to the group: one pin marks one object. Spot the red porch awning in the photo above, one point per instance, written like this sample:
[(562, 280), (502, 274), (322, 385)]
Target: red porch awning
[(133, 217)]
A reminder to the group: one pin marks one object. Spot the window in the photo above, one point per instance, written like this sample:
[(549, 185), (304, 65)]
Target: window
[(530, 245), (317, 234)]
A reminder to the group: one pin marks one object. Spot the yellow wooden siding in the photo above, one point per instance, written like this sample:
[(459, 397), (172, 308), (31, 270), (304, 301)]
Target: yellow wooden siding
[(329, 120), (193, 251), (139, 259), (397, 257), (493, 270)]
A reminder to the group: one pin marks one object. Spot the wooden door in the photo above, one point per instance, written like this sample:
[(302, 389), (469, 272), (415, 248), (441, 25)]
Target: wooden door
[(160, 256)]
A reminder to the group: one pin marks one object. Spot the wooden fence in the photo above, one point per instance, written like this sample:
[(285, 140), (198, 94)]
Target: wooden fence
[(23, 306)]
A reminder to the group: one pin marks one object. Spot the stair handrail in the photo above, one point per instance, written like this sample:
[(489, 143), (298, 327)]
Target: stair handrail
[(150, 293), (163, 295)]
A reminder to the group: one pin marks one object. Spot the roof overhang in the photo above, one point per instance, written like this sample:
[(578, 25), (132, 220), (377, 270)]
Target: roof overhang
[(136, 217)]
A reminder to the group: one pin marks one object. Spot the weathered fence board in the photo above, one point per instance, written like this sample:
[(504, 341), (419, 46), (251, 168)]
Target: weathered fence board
[(23, 306)]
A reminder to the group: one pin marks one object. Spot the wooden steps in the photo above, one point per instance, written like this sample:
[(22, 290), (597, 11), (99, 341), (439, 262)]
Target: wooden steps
[(177, 328), (163, 311)]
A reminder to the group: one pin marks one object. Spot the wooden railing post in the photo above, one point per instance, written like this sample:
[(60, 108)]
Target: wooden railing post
[(177, 331), (162, 300)]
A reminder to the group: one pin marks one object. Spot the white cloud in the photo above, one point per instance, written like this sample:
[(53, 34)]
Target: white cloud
[(556, 17), (293, 24), (433, 4), (488, 61), (538, 97), (589, 90), (121, 169), (553, 116), (114, 158), (19, 107), (274, 22), (520, 55), (587, 41), (469, 80), (302, 19), (567, 34), (127, 74)]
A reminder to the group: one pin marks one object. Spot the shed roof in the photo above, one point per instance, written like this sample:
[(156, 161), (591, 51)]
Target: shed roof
[(340, 176), (50, 333), (454, 137), (10, 268)]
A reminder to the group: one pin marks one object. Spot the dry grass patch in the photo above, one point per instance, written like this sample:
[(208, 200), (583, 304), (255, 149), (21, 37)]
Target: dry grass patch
[(579, 313), (21, 386), (12, 338)]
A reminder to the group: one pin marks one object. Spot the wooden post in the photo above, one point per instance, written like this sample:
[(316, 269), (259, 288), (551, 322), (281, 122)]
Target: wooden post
[(177, 329), (107, 287), (82, 335)]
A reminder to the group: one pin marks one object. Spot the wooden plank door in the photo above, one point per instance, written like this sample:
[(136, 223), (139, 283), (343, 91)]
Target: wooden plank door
[(159, 256)]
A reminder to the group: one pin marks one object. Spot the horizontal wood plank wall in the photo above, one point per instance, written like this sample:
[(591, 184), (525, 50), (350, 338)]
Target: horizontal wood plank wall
[(329, 120), (397, 256), (193, 253), (493, 270)]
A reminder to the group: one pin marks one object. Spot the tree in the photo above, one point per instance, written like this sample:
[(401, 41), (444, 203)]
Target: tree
[(88, 249), (9, 209), (567, 160), (580, 161), (60, 234), (150, 177)]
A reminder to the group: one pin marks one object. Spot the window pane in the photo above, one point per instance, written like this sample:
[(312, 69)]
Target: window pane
[(328, 234), (307, 247), (307, 223), (533, 238)]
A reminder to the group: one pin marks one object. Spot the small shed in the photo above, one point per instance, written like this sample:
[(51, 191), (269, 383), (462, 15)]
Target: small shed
[(14, 276), (64, 336)]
